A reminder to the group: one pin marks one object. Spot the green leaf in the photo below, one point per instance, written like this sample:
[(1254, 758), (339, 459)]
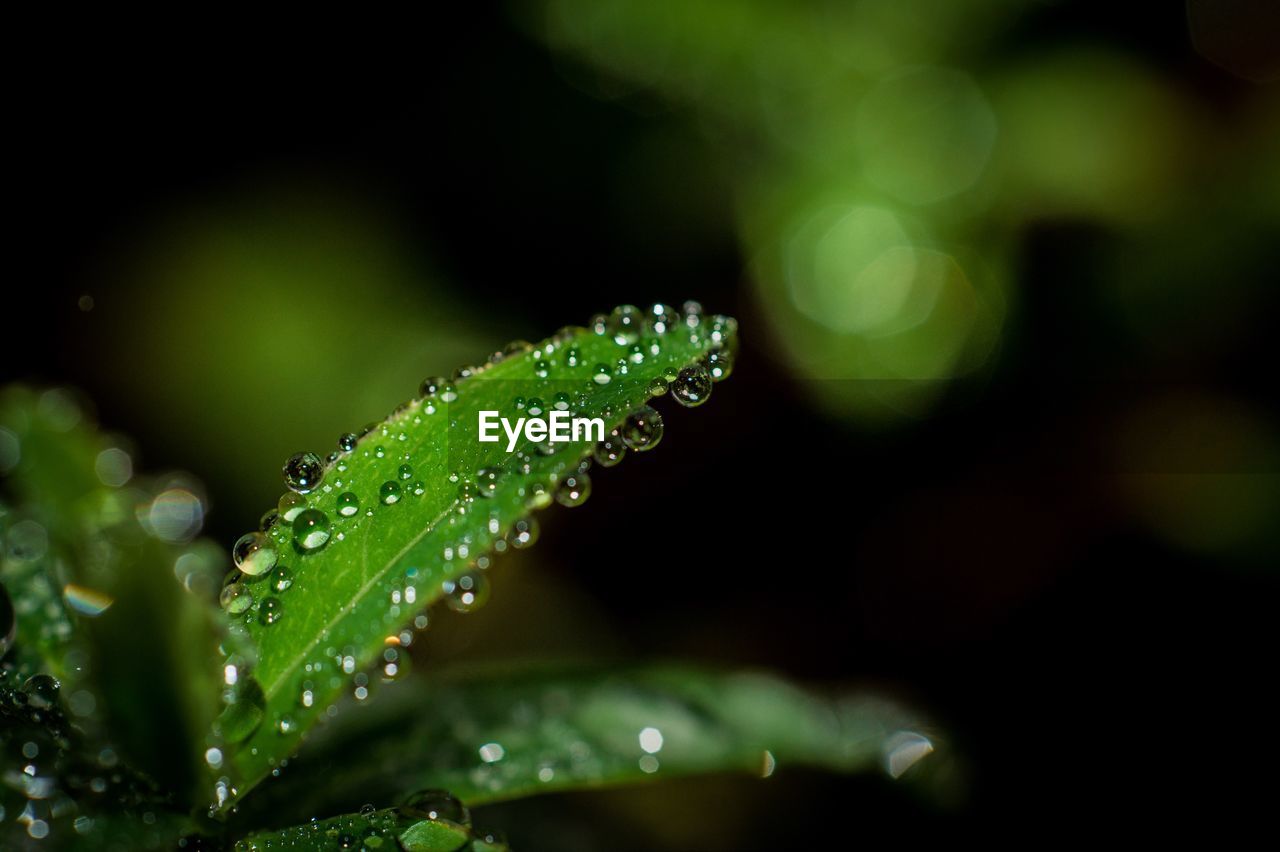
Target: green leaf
[(433, 503), (93, 556), (487, 736), (410, 828)]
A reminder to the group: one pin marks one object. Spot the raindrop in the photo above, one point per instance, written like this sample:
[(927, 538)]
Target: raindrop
[(281, 578), (467, 593), (405, 472), (599, 324), (431, 386), (692, 386), (303, 472), (602, 374), (692, 314), (254, 554), (285, 724), (662, 318), (643, 429), (719, 364), (487, 481), (574, 490), (311, 530), (572, 356), (448, 393), (437, 806), (389, 492), (348, 504), (541, 369), (270, 611), (236, 598), (524, 533), (290, 505), (657, 387), (610, 451), (42, 691), (347, 442), (624, 324)]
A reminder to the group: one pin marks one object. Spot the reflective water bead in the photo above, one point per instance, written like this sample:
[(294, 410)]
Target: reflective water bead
[(611, 450), (524, 534), (270, 611), (348, 504), (624, 324), (535, 407), (662, 318), (467, 593), (347, 442), (311, 530), (572, 356), (719, 364), (436, 805), (303, 472), (599, 324), (430, 386), (602, 374), (448, 393), (692, 386), (642, 429), (637, 354), (657, 387), (560, 402), (290, 505), (236, 598), (405, 472), (418, 489), (574, 490), (281, 578), (41, 691), (692, 314), (254, 554), (487, 481), (389, 492), (541, 369)]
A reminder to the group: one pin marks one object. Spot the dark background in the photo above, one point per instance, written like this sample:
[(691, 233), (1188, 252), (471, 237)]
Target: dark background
[(983, 559)]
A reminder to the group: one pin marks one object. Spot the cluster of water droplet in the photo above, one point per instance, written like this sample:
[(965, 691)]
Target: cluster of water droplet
[(428, 820)]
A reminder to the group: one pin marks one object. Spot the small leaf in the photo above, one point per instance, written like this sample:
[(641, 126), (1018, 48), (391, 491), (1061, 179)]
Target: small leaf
[(490, 737), (408, 514)]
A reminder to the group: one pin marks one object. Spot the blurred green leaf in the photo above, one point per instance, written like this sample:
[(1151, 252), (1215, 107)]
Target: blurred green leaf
[(500, 734), (135, 650), (408, 515)]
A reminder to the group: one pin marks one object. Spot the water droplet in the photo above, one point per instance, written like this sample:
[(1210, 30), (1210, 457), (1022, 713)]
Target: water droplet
[(389, 492), (435, 805), (236, 598), (624, 324), (466, 371), (311, 530), (572, 356), (642, 429), (347, 442), (303, 472), (541, 369), (467, 593), (270, 611), (254, 554), (281, 578), (662, 318), (286, 725), (405, 472), (560, 402), (418, 489), (692, 386), (719, 364), (598, 324), (657, 387), (243, 715), (535, 407), (448, 393), (610, 451), (290, 505), (524, 533), (466, 491), (487, 481), (602, 374), (42, 691), (636, 355), (692, 314), (430, 386), (574, 489), (348, 504)]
